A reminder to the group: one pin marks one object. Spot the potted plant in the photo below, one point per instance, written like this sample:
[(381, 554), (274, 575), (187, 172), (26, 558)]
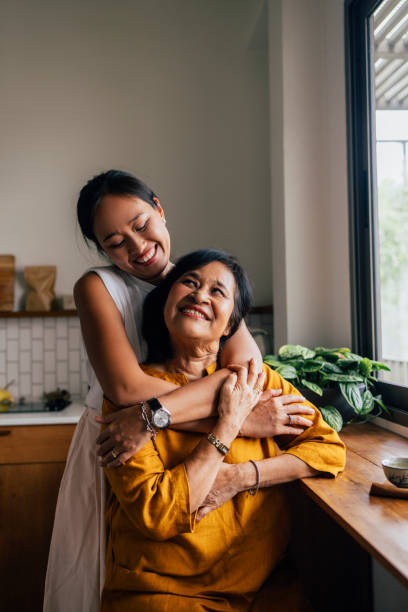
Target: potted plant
[(340, 383)]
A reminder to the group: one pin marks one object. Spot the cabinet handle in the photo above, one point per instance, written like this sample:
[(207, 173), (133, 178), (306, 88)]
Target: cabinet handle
[(5, 432)]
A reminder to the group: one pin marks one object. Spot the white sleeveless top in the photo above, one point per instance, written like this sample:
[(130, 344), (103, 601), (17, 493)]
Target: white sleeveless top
[(76, 562)]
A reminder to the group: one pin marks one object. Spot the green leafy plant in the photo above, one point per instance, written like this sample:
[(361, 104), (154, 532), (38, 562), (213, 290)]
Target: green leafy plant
[(322, 368)]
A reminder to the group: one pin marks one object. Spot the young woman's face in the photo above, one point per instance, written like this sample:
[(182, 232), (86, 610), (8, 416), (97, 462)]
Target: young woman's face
[(134, 236), (200, 303)]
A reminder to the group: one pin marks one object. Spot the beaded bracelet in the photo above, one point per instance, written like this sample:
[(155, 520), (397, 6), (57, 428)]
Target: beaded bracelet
[(254, 490)]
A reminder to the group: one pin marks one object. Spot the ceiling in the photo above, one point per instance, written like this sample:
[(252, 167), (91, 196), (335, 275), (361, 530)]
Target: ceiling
[(390, 23)]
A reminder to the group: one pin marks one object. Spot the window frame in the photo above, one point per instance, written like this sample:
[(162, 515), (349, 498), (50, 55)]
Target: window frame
[(361, 142)]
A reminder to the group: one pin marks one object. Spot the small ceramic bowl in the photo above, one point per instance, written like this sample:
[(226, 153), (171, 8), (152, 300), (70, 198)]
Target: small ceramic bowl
[(396, 470)]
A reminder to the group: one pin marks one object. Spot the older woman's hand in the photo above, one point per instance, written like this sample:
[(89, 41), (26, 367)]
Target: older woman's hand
[(124, 435), (276, 414), (225, 487), (239, 394)]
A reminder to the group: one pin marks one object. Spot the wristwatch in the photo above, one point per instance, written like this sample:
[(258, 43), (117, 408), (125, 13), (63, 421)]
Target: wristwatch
[(160, 414)]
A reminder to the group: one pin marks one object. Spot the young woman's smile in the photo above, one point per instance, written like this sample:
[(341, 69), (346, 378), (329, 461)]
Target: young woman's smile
[(200, 303), (134, 236)]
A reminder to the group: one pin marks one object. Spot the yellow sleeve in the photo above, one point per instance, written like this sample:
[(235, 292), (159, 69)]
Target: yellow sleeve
[(155, 499), (319, 446)]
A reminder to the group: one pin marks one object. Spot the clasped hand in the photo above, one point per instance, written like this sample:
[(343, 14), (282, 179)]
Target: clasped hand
[(239, 394)]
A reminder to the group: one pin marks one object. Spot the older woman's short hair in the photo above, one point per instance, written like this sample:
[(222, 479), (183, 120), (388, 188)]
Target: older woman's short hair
[(154, 328)]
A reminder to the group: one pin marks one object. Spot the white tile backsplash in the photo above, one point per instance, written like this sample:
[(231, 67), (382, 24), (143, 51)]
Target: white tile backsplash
[(41, 354), (37, 350), (62, 349), (24, 385), (49, 339), (2, 366), (49, 361), (24, 362), (37, 373), (62, 328), (62, 373), (12, 330), (12, 350), (25, 339), (74, 361), (37, 328)]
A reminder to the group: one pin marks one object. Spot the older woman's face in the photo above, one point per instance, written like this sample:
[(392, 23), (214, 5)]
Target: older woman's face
[(200, 303)]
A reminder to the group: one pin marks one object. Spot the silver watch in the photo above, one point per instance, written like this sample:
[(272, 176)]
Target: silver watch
[(160, 414)]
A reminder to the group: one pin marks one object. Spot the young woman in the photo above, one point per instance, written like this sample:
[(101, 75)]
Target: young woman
[(124, 219)]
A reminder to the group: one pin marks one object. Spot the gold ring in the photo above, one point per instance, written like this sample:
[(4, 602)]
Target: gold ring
[(114, 453)]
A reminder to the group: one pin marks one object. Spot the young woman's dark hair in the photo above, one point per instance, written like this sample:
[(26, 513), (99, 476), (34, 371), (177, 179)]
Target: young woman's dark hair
[(112, 182), (154, 328)]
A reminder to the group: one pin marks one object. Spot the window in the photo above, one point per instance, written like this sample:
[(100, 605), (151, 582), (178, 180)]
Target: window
[(377, 73)]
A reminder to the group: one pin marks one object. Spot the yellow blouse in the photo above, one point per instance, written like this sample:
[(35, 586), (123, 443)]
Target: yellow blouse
[(160, 558)]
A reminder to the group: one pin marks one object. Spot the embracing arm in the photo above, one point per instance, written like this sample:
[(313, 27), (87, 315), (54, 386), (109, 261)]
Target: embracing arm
[(116, 366), (240, 348)]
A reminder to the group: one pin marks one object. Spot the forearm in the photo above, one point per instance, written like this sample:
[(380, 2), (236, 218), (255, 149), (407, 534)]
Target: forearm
[(203, 464), (195, 401), (240, 348), (189, 403), (273, 471)]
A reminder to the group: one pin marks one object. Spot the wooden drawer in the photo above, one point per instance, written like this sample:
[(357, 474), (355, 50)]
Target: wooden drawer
[(35, 443)]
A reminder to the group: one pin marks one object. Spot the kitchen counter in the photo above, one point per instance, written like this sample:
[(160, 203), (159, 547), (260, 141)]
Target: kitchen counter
[(68, 416)]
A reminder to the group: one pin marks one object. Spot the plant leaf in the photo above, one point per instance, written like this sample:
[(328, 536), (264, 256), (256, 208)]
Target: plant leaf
[(352, 395), (289, 351), (311, 365), (378, 400), (345, 378), (312, 386), (351, 355), (273, 363), (332, 417), (331, 368), (347, 363), (365, 366), (380, 366), (287, 371), (368, 402)]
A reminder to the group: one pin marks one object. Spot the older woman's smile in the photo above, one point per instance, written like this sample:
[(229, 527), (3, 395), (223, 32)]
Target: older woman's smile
[(196, 313)]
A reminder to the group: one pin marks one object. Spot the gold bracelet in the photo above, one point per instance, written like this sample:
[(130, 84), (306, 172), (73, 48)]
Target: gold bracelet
[(218, 444)]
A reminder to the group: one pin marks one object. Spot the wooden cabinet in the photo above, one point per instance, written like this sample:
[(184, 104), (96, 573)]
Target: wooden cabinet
[(32, 460)]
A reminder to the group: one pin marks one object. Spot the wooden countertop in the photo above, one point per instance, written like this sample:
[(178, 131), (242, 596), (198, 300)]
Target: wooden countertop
[(378, 524)]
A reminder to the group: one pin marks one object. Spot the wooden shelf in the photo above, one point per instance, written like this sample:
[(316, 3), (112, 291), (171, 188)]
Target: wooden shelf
[(20, 314)]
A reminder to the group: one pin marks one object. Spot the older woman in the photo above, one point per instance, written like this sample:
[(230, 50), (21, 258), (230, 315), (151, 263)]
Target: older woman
[(159, 556)]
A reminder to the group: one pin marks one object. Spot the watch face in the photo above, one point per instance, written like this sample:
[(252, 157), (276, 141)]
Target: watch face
[(161, 418)]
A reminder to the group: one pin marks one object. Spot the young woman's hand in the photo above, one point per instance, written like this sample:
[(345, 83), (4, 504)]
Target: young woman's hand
[(240, 393), (124, 435), (276, 414)]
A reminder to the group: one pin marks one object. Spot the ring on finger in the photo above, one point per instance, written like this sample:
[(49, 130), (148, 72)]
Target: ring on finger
[(290, 419), (114, 453)]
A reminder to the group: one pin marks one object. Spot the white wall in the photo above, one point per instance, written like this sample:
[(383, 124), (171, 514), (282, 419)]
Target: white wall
[(309, 172), (169, 90)]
